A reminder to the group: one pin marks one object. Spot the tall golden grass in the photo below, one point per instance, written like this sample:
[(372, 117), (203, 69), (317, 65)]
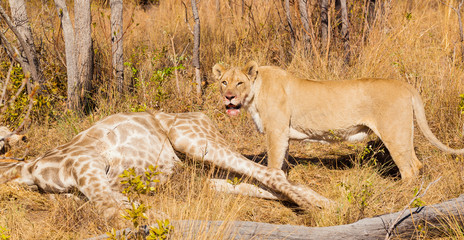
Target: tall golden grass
[(419, 45)]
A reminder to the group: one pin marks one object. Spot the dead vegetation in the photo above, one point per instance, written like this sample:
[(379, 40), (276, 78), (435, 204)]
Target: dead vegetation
[(416, 43)]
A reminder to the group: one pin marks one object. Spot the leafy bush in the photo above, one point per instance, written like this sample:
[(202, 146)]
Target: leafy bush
[(134, 186)]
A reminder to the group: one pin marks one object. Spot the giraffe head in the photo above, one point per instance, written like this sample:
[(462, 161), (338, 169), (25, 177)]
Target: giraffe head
[(9, 140)]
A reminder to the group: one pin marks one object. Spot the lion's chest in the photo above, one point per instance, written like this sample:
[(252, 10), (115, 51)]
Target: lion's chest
[(256, 118)]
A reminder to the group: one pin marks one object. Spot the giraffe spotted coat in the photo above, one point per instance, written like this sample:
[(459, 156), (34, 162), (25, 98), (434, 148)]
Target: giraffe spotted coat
[(93, 159)]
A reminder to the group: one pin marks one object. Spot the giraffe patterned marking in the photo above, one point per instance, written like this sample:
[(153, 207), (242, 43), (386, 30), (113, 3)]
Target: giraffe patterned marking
[(92, 161)]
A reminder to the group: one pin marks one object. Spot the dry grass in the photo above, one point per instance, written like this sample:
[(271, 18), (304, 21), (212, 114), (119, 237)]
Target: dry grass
[(423, 51)]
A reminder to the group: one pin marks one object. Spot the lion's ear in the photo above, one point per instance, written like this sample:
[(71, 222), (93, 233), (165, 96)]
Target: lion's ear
[(218, 71), (251, 69)]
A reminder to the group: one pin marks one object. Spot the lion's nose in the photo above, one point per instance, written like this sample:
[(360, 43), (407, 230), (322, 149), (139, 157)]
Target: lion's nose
[(230, 97)]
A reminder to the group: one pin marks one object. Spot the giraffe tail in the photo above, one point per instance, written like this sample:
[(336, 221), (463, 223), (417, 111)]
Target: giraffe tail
[(10, 170)]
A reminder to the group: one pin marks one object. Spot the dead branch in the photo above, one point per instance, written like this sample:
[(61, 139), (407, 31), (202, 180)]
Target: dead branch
[(28, 112), (174, 60), (24, 45), (20, 89), (187, 19), (418, 194), (29, 108), (5, 84), (433, 217), (12, 52)]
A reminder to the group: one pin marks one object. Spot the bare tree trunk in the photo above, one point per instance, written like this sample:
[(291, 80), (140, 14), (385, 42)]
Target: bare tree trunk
[(196, 47), (324, 23), (83, 40), (289, 22), (79, 54), (345, 30), (304, 19), (70, 48), (28, 50), (371, 14), (21, 20), (117, 43)]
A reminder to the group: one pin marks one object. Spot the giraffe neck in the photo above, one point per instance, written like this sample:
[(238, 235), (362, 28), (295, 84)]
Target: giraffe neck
[(10, 170)]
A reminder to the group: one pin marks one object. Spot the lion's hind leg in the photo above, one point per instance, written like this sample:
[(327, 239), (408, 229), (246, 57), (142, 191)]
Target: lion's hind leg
[(398, 138)]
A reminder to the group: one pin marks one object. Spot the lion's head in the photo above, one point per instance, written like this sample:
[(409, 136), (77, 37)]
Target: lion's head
[(236, 85)]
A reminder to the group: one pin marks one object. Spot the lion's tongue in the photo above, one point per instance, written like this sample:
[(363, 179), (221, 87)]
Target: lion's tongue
[(233, 112)]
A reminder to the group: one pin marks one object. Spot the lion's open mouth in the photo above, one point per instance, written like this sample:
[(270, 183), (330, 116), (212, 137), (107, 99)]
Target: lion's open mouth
[(233, 110)]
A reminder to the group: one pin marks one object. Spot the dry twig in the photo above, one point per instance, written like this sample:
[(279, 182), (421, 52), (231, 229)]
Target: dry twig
[(186, 18), (5, 84), (419, 194)]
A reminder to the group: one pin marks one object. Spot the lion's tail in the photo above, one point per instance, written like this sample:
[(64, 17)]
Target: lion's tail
[(419, 112)]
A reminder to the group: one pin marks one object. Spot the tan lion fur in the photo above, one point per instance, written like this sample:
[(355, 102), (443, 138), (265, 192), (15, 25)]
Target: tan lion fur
[(285, 107)]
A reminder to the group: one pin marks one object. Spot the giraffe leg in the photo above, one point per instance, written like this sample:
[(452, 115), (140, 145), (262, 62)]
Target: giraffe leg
[(95, 185), (198, 138), (222, 185)]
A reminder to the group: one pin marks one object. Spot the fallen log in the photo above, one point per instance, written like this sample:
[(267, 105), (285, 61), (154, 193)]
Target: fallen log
[(439, 218)]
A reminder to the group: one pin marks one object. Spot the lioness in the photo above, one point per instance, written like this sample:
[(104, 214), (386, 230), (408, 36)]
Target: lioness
[(286, 107)]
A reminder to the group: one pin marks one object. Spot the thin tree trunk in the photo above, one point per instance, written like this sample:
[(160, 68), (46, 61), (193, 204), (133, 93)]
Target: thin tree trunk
[(78, 50), (345, 30), (305, 21), (196, 47), (371, 14), (290, 24), (324, 23), (21, 20), (70, 49), (83, 40), (369, 18), (174, 60), (117, 43)]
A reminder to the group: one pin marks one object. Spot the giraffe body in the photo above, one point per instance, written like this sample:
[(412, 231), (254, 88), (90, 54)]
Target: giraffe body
[(93, 159)]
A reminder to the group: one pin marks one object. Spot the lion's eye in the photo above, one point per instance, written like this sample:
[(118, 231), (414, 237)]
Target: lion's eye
[(240, 83), (224, 83)]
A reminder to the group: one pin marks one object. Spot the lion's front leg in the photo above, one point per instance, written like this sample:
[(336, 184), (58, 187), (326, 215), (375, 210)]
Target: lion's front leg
[(277, 146)]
